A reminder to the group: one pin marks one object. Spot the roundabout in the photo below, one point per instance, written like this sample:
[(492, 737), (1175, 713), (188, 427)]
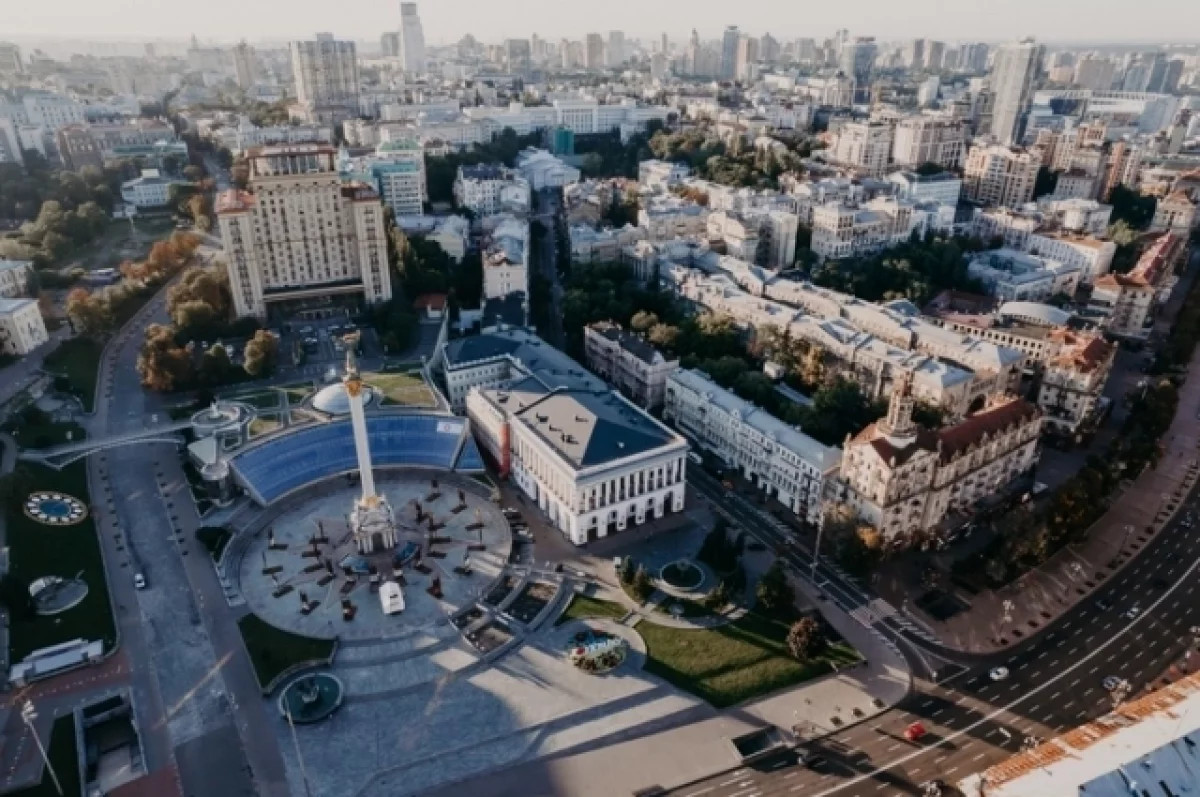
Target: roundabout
[(55, 509)]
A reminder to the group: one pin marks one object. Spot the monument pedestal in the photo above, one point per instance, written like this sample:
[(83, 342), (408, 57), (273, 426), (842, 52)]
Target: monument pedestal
[(373, 524)]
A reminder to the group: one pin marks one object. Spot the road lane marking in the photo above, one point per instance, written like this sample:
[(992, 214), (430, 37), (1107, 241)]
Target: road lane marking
[(1029, 694)]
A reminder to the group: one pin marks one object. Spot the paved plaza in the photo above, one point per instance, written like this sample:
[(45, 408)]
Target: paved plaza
[(461, 542)]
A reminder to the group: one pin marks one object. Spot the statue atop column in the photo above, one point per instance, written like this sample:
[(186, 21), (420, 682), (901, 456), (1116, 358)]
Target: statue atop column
[(372, 519)]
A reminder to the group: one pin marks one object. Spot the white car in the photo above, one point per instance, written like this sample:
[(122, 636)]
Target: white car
[(1132, 614), (139, 581), (1111, 682), (998, 674)]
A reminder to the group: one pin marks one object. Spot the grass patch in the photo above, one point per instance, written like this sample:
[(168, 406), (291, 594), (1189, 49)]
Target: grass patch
[(272, 650), (64, 757), (259, 399), (262, 426), (45, 435), (584, 607), (38, 550), (401, 389), (77, 361), (735, 662)]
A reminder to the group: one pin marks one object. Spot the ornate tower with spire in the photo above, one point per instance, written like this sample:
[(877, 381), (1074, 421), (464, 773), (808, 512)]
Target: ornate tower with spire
[(898, 427), (372, 519)]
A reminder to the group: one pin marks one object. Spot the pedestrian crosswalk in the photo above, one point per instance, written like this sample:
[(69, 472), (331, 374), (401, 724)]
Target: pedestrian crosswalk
[(877, 610)]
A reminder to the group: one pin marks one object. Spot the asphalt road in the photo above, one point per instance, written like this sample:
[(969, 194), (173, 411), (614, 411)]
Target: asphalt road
[(198, 702), (1054, 683)]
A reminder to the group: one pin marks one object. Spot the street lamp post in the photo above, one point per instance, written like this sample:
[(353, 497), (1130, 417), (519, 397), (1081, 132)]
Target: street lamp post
[(817, 551), (28, 715)]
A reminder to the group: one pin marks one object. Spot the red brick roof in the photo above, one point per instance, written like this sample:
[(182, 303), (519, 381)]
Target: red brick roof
[(989, 422)]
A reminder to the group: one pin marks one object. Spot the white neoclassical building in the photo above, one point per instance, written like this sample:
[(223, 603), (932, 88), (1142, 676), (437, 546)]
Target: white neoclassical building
[(21, 326), (779, 459)]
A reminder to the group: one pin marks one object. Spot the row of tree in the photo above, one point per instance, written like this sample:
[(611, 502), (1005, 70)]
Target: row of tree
[(165, 366), (99, 312)]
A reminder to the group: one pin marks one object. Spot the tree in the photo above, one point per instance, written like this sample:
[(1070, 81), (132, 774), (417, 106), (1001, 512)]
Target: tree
[(163, 365), (774, 592), (642, 587), (664, 336), (1130, 206), (89, 312), (215, 366), (806, 639), (628, 570), (642, 321), (261, 354)]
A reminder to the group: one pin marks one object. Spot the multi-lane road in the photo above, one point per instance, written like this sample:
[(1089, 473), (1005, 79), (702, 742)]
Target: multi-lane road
[(1054, 682)]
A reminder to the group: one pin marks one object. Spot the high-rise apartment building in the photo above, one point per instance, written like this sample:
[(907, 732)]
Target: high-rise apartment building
[(616, 48), (10, 59), (864, 145), (857, 60), (593, 54), (245, 67), (1095, 73), (300, 238), (326, 75), (996, 175), (747, 58), (412, 39), (934, 56), (930, 139), (518, 55), (914, 54), (1012, 81), (729, 52), (389, 45)]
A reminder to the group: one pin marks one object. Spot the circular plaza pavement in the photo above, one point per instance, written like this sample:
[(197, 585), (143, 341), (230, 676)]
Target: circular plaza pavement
[(288, 586)]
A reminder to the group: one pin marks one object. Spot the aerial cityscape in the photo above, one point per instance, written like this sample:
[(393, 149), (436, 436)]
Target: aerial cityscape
[(764, 406)]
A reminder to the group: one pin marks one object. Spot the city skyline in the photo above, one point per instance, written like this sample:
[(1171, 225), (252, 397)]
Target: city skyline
[(1071, 21)]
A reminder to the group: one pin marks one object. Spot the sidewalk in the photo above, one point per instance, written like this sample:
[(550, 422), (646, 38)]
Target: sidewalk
[(999, 618)]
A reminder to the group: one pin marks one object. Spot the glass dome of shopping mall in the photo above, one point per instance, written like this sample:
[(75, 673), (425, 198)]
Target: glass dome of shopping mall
[(334, 400), (282, 464)]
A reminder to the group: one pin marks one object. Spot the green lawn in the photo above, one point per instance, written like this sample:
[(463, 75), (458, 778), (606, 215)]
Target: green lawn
[(272, 650), (64, 757), (262, 426), (259, 399), (735, 662), (401, 389), (77, 359), (39, 550), (583, 606), (688, 608), (45, 435)]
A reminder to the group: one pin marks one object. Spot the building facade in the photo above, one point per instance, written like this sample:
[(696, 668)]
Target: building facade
[(783, 462), (907, 481), (21, 326), (489, 190), (1073, 380), (327, 81), (14, 277), (628, 363), (302, 236), (996, 175), (929, 139)]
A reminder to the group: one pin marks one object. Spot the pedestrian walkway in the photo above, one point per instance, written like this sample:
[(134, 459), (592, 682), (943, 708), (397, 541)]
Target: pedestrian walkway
[(997, 619)]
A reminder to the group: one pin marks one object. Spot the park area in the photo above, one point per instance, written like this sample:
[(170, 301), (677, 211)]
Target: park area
[(732, 663), (584, 607), (37, 550), (401, 389), (273, 651), (76, 365)]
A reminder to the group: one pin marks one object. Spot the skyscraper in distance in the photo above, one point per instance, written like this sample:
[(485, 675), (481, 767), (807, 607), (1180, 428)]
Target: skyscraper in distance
[(412, 39), (729, 52), (1016, 68)]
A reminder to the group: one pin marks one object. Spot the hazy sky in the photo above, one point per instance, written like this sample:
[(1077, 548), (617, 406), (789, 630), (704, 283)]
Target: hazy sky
[(491, 20)]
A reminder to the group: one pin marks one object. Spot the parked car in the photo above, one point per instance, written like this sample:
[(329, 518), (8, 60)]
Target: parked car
[(999, 674), (139, 581), (915, 732), (1111, 682), (1132, 614)]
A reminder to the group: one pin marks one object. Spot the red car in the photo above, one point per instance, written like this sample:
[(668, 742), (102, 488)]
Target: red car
[(915, 732)]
